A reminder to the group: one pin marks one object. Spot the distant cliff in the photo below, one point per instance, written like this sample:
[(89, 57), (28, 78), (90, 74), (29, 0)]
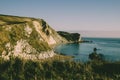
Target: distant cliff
[(24, 36), (71, 37)]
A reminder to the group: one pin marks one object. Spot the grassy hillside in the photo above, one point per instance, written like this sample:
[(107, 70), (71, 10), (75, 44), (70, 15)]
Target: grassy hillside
[(8, 19), (25, 36), (14, 32)]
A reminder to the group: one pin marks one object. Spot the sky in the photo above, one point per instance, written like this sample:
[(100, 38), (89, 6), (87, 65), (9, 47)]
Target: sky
[(69, 15)]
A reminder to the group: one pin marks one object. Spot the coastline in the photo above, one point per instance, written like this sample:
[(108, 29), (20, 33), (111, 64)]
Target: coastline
[(109, 47)]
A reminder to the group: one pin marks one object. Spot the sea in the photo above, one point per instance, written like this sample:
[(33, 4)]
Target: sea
[(109, 47)]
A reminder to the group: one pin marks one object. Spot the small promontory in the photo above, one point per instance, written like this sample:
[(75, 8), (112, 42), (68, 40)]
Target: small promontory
[(71, 37)]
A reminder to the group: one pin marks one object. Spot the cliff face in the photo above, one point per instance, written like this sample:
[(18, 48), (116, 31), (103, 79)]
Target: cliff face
[(23, 36)]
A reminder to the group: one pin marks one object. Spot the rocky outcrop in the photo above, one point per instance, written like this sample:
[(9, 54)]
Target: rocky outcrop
[(71, 37), (29, 37)]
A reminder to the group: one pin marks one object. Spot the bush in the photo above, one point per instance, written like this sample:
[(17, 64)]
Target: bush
[(17, 69), (95, 56)]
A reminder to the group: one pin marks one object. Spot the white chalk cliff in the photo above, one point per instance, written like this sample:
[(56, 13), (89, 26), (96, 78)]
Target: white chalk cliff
[(28, 38)]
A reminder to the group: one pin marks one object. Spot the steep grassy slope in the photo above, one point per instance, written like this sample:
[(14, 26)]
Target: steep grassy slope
[(23, 35)]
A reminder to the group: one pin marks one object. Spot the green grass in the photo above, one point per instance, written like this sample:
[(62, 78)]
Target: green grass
[(13, 19), (18, 69)]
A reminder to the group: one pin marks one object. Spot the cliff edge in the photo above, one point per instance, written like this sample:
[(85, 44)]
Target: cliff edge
[(29, 38)]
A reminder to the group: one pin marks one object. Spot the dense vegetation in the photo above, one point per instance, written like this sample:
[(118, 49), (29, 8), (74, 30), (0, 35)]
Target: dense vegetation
[(18, 69)]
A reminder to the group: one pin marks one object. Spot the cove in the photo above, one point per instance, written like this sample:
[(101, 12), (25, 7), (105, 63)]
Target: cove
[(109, 47)]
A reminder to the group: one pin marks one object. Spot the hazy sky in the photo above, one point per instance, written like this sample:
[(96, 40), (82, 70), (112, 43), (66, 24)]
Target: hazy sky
[(83, 15)]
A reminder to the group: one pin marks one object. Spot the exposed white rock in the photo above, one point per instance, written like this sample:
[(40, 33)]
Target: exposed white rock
[(23, 50), (51, 40), (23, 46), (4, 53), (47, 54), (8, 46), (28, 30), (37, 25), (42, 55), (19, 46), (79, 38), (8, 28), (38, 28)]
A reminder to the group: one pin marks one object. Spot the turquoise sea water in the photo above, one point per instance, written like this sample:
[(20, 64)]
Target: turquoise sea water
[(110, 47)]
